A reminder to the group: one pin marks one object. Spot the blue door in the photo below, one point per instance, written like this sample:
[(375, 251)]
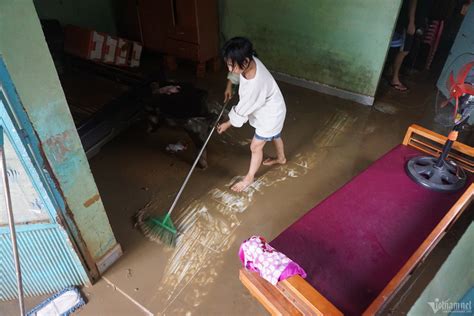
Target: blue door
[(48, 257)]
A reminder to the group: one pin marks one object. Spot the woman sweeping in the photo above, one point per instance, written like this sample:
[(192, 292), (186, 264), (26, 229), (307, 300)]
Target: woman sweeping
[(261, 104)]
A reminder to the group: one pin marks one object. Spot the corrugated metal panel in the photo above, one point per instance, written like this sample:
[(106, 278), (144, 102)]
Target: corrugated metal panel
[(47, 260)]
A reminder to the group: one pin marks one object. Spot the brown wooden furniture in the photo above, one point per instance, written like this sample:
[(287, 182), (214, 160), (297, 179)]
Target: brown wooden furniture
[(295, 296), (186, 29)]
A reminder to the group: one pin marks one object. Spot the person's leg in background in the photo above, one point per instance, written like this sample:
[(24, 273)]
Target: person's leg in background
[(397, 64)]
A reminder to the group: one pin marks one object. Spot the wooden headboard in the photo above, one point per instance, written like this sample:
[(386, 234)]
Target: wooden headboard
[(432, 143)]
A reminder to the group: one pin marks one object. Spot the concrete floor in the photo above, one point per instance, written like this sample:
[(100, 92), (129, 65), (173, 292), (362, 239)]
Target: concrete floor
[(328, 141)]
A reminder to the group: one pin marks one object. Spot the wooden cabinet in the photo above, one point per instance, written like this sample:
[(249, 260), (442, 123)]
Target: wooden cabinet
[(153, 22), (184, 21), (185, 29)]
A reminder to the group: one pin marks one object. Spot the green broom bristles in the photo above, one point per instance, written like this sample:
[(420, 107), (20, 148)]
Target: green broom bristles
[(161, 229), (157, 228)]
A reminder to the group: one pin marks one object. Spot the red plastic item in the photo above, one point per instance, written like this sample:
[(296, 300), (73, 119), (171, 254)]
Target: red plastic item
[(457, 87), (84, 43)]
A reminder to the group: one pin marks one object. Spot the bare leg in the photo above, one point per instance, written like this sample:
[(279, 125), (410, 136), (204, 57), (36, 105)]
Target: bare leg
[(280, 149), (397, 63), (256, 147)]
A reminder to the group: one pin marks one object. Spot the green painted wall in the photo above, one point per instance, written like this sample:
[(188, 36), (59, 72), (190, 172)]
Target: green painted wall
[(339, 43), (27, 57), (95, 14), (454, 278)]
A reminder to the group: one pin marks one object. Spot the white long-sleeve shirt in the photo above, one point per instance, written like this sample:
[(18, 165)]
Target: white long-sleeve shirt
[(261, 103)]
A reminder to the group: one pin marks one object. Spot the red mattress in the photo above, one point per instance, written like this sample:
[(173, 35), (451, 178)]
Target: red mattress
[(355, 241)]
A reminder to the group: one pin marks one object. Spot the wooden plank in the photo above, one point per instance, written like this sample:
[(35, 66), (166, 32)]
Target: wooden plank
[(462, 162), (268, 295), (416, 129), (436, 151), (306, 298), (429, 243)]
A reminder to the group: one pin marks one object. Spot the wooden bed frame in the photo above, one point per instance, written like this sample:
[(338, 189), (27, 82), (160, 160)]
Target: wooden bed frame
[(295, 296)]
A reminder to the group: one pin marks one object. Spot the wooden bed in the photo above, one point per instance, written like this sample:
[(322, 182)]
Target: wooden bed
[(297, 296)]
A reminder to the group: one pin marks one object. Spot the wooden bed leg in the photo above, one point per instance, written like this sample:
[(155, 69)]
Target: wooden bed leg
[(293, 296), (408, 134), (170, 63), (201, 69)]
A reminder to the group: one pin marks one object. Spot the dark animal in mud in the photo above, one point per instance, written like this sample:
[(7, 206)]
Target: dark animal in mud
[(185, 107)]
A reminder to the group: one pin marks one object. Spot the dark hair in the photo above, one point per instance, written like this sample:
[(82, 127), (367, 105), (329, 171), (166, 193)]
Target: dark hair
[(237, 50)]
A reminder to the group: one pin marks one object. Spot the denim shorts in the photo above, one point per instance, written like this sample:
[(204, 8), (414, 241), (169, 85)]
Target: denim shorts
[(267, 139)]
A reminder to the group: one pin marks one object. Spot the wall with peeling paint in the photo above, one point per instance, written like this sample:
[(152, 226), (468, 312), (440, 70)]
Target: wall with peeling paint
[(342, 43), (27, 58)]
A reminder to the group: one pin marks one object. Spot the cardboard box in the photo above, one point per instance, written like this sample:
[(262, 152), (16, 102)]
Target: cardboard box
[(136, 54), (123, 51), (110, 49)]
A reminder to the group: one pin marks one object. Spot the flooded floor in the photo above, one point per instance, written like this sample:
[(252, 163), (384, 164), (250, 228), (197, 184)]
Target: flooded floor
[(327, 142)]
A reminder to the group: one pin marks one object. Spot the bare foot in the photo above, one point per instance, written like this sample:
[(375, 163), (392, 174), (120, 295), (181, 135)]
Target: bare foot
[(242, 185), (274, 161)]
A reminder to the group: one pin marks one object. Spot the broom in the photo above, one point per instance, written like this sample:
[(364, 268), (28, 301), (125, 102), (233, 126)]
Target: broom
[(161, 228)]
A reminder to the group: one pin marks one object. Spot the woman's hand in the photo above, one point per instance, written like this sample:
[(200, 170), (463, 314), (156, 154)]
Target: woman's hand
[(228, 93), (221, 128)]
